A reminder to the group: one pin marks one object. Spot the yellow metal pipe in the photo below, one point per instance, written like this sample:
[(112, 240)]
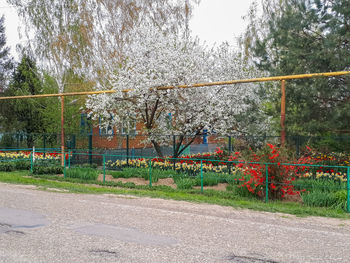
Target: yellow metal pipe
[(279, 78), (58, 94), (283, 112), (62, 131), (196, 85)]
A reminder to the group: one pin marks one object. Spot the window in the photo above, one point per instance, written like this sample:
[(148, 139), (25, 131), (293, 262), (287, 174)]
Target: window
[(106, 131), (129, 126), (85, 124), (169, 120)]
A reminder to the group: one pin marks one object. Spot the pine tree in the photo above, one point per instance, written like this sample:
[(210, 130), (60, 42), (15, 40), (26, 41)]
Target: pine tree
[(24, 115), (307, 36)]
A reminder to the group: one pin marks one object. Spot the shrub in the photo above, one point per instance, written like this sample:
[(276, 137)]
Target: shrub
[(55, 169), (22, 165), (254, 176), (130, 172), (7, 166)]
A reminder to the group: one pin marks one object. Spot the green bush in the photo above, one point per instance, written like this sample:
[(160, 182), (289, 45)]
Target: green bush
[(7, 166), (82, 173), (55, 169), (142, 173), (22, 165), (129, 173)]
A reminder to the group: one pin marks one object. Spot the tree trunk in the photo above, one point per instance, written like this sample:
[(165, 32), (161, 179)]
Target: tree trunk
[(30, 140), (157, 148)]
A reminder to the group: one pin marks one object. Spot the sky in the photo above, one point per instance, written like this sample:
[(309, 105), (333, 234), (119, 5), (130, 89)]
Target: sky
[(216, 21), (213, 21)]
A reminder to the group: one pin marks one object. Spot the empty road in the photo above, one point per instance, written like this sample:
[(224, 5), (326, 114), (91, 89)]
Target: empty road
[(51, 226)]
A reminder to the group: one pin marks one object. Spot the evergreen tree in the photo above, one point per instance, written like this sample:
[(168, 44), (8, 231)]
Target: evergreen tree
[(306, 36), (24, 115)]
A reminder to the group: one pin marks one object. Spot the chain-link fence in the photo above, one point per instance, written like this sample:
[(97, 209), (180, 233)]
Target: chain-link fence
[(169, 145)]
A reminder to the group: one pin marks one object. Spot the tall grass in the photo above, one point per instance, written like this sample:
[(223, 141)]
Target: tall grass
[(82, 173), (322, 192)]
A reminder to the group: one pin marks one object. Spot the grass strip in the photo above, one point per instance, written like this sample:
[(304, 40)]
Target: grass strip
[(209, 196)]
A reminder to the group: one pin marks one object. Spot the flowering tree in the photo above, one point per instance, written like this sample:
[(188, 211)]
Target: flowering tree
[(155, 59)]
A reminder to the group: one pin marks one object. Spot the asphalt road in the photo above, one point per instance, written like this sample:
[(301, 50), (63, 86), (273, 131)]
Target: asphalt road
[(42, 226)]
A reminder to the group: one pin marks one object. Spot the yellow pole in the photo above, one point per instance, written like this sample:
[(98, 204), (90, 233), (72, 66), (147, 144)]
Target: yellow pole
[(283, 112), (62, 131)]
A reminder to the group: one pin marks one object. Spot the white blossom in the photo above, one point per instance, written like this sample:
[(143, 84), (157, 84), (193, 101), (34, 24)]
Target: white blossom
[(155, 59)]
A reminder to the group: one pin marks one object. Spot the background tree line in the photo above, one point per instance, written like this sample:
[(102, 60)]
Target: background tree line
[(80, 45)]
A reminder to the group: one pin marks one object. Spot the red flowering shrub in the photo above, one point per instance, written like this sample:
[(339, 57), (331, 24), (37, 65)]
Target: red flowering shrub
[(280, 177)]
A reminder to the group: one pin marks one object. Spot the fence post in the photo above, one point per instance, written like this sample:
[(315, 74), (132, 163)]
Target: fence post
[(348, 190), (174, 144), (90, 148), (31, 162), (267, 183), (174, 148), (17, 137), (69, 153), (150, 172), (229, 144), (202, 176), (33, 154), (127, 150), (44, 142), (64, 166), (104, 168)]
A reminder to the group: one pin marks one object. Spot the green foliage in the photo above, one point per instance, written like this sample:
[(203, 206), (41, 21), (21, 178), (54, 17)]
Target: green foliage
[(22, 165), (323, 193), (88, 165), (326, 199), (323, 185), (24, 115), (82, 173), (7, 166), (7, 140), (73, 105), (184, 182), (129, 173), (52, 169), (331, 143), (305, 36), (142, 173)]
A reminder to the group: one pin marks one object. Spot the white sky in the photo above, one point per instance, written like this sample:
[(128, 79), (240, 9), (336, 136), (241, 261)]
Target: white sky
[(214, 21)]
